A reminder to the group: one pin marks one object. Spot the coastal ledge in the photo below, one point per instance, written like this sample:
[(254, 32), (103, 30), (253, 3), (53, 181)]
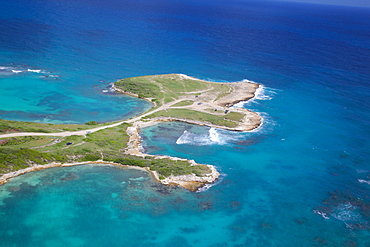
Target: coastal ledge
[(178, 97), (175, 97)]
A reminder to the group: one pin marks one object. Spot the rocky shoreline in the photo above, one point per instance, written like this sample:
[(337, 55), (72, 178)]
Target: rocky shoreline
[(191, 182), (5, 177)]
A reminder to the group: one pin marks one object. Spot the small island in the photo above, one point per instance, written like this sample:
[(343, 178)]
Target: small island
[(26, 146)]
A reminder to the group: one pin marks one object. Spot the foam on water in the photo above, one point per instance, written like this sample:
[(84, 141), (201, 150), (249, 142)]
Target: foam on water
[(17, 69), (262, 93), (222, 137), (362, 171), (50, 102), (208, 186), (364, 181), (216, 136), (210, 138), (267, 123), (109, 89), (346, 212), (34, 70), (322, 214)]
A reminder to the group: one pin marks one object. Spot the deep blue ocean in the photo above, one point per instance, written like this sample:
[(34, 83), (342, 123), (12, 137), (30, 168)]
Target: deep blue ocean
[(301, 179)]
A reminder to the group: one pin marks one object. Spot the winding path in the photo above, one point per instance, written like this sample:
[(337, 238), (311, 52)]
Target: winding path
[(66, 133)]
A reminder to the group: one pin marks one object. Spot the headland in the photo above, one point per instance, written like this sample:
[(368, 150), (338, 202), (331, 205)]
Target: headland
[(175, 97)]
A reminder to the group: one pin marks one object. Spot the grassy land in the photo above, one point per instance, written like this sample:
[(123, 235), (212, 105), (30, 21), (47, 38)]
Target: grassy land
[(228, 120), (164, 88), (7, 126), (233, 116), (108, 144), (184, 103)]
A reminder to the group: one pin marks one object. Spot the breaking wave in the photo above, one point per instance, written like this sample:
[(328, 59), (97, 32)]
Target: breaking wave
[(349, 214), (212, 137), (364, 181), (262, 93), (109, 89), (266, 125), (208, 186), (21, 69), (216, 136), (322, 214)]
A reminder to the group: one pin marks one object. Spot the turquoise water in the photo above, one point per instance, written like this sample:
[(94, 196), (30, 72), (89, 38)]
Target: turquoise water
[(301, 179), (49, 98), (74, 206), (283, 173)]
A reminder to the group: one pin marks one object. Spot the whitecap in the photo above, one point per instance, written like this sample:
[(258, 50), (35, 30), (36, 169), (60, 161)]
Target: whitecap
[(204, 188), (246, 80), (108, 89), (34, 70), (267, 123), (362, 171), (364, 181), (138, 179), (216, 136), (188, 137), (262, 93), (347, 213), (208, 186), (212, 137), (16, 71), (322, 214)]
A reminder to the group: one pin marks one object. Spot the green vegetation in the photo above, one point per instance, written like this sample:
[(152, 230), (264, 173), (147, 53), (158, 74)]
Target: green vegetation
[(92, 123), (228, 120), (166, 167), (235, 116), (164, 88), (7, 126), (15, 159), (220, 95), (184, 103), (20, 140), (108, 144)]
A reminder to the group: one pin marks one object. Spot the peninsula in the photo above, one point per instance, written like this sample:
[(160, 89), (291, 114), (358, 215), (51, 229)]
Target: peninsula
[(26, 146)]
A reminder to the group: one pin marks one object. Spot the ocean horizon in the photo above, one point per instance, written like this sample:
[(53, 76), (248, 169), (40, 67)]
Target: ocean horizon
[(301, 179)]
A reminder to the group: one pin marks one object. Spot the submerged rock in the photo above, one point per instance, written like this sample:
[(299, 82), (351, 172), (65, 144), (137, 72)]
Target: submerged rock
[(205, 205)]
